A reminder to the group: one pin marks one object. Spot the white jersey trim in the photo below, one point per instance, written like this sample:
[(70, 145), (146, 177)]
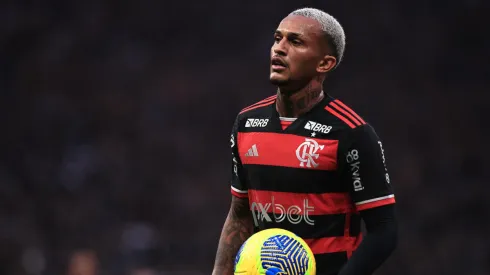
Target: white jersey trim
[(376, 199), (287, 118), (239, 191)]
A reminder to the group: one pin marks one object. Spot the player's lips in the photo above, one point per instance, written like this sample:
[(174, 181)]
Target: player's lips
[(277, 64)]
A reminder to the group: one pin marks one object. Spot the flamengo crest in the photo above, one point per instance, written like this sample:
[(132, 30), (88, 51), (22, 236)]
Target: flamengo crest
[(307, 153)]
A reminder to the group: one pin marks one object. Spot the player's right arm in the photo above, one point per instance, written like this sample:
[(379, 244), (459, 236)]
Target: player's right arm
[(236, 230), (238, 226)]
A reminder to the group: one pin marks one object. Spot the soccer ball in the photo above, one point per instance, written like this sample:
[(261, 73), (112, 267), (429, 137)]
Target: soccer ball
[(275, 251)]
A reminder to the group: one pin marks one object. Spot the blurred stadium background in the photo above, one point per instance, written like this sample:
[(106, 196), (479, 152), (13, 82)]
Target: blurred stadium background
[(116, 118)]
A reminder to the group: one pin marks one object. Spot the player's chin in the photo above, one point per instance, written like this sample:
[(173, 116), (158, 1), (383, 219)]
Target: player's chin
[(278, 79)]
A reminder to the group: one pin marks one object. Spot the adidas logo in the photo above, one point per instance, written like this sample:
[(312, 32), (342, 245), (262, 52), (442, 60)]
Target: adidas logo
[(252, 152)]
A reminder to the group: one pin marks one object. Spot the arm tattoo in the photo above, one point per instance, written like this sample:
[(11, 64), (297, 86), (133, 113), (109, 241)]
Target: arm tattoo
[(236, 230)]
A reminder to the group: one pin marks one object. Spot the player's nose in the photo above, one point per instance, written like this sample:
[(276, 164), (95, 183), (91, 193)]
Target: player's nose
[(280, 48)]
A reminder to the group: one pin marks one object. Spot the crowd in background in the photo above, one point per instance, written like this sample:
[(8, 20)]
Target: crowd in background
[(116, 118)]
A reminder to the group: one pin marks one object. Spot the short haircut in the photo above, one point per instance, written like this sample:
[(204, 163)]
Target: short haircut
[(330, 26)]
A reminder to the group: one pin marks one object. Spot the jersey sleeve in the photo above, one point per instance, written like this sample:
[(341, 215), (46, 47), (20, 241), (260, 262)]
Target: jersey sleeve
[(238, 181), (364, 170)]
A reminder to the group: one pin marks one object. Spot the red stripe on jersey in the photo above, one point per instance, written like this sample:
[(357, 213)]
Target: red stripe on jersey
[(332, 244), (312, 204), (345, 113), (350, 110), (262, 103), (287, 150), (333, 112), (239, 195), (285, 124), (348, 217), (374, 204)]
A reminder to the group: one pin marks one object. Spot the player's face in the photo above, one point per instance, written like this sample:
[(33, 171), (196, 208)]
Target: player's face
[(297, 51)]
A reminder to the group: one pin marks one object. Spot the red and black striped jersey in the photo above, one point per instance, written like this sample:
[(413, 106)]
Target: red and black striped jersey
[(310, 175)]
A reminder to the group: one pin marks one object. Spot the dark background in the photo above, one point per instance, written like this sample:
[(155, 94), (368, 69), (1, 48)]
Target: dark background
[(116, 119)]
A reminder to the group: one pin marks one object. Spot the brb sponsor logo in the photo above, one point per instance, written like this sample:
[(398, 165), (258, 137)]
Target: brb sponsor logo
[(276, 212), (256, 122), (317, 127), (353, 161), (307, 153)]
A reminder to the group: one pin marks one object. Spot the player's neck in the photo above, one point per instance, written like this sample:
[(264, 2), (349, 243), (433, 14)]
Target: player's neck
[(296, 103)]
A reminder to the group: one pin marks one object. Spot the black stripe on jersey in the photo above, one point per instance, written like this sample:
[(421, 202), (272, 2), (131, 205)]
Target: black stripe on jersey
[(355, 225), (330, 263), (285, 179), (325, 226)]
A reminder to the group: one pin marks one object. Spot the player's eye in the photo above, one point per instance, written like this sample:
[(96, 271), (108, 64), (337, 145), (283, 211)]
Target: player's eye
[(296, 42), (277, 38)]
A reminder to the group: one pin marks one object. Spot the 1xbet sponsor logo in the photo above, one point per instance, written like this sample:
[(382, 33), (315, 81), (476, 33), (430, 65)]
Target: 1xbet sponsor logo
[(273, 211), (317, 127), (353, 161), (256, 122)]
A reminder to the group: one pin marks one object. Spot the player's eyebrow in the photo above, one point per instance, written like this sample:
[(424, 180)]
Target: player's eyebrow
[(290, 34)]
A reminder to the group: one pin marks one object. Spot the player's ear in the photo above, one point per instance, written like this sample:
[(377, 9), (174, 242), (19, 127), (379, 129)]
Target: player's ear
[(326, 64)]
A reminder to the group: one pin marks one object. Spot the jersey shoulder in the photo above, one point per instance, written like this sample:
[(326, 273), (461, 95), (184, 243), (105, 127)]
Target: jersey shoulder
[(256, 114), (258, 108), (342, 117)]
